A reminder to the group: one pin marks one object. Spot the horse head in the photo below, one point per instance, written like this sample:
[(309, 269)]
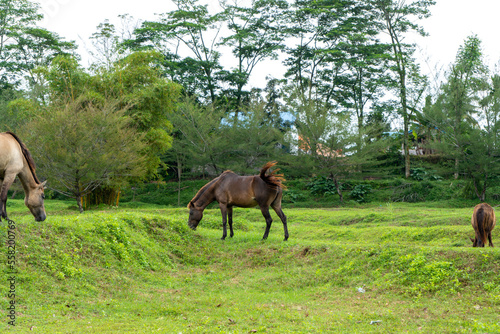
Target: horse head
[(34, 201), (476, 242), (195, 215)]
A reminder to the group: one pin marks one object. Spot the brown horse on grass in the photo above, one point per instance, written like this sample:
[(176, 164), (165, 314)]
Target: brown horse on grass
[(16, 160), (230, 189), (483, 222)]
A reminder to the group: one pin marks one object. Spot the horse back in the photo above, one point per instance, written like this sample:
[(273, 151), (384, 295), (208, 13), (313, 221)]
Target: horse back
[(245, 191), (11, 156)]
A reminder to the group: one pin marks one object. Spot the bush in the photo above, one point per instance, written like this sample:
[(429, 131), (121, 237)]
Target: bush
[(421, 174), (415, 192), (359, 192), (322, 186)]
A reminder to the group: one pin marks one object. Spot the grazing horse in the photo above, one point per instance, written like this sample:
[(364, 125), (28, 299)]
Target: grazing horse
[(229, 189), (16, 160), (483, 222)]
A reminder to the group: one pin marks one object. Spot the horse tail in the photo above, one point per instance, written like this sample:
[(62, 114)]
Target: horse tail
[(488, 222), (481, 219), (273, 180), (27, 156)]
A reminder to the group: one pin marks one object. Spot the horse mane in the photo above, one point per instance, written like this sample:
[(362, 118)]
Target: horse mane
[(27, 156), (272, 179), (206, 187)]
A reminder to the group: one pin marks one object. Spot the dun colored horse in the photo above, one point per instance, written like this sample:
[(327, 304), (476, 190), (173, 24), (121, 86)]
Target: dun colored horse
[(16, 160), (230, 189), (483, 222)]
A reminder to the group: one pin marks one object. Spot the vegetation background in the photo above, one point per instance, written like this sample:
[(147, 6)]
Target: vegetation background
[(352, 104)]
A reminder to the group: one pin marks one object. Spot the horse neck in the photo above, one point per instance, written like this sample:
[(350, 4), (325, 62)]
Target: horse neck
[(27, 179), (205, 199)]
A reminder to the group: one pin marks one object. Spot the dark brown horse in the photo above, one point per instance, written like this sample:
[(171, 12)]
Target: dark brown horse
[(229, 189), (16, 160), (483, 222)]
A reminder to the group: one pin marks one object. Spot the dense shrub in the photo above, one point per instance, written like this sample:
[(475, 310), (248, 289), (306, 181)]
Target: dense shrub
[(322, 186), (359, 192)]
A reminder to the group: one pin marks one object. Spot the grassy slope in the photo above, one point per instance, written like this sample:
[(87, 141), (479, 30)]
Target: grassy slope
[(144, 271)]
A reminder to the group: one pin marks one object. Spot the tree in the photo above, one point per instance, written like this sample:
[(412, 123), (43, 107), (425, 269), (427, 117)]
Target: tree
[(80, 147), (257, 34), (131, 96), (198, 136), (66, 80), (324, 137), (207, 142), (317, 28), (135, 81), (36, 47), (395, 18), (490, 104), (108, 41), (365, 76), (23, 45), (149, 99), (466, 116), (338, 59), (481, 159), (187, 28), (15, 15), (253, 140), (466, 78), (488, 160)]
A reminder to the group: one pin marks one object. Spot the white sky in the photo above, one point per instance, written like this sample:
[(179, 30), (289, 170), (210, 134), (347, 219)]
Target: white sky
[(450, 24)]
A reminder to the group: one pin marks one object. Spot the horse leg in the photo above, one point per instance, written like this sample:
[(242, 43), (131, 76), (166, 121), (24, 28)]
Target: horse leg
[(269, 220), (489, 238), (276, 205), (279, 212), (7, 182), (230, 220), (223, 210)]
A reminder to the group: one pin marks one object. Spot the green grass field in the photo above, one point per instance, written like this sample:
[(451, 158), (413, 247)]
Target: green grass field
[(386, 268)]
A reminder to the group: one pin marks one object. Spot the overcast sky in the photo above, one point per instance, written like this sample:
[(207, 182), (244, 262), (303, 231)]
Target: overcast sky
[(450, 24)]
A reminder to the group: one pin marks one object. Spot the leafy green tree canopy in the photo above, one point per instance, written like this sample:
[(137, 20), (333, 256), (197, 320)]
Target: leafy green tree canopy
[(80, 147)]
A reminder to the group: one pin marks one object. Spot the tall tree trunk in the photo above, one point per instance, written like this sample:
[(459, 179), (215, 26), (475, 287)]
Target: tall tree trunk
[(481, 195), (339, 191), (78, 192), (79, 200), (337, 187), (406, 142), (359, 139), (400, 60)]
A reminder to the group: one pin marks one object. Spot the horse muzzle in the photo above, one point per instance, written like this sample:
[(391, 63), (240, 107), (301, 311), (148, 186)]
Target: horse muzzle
[(40, 217)]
